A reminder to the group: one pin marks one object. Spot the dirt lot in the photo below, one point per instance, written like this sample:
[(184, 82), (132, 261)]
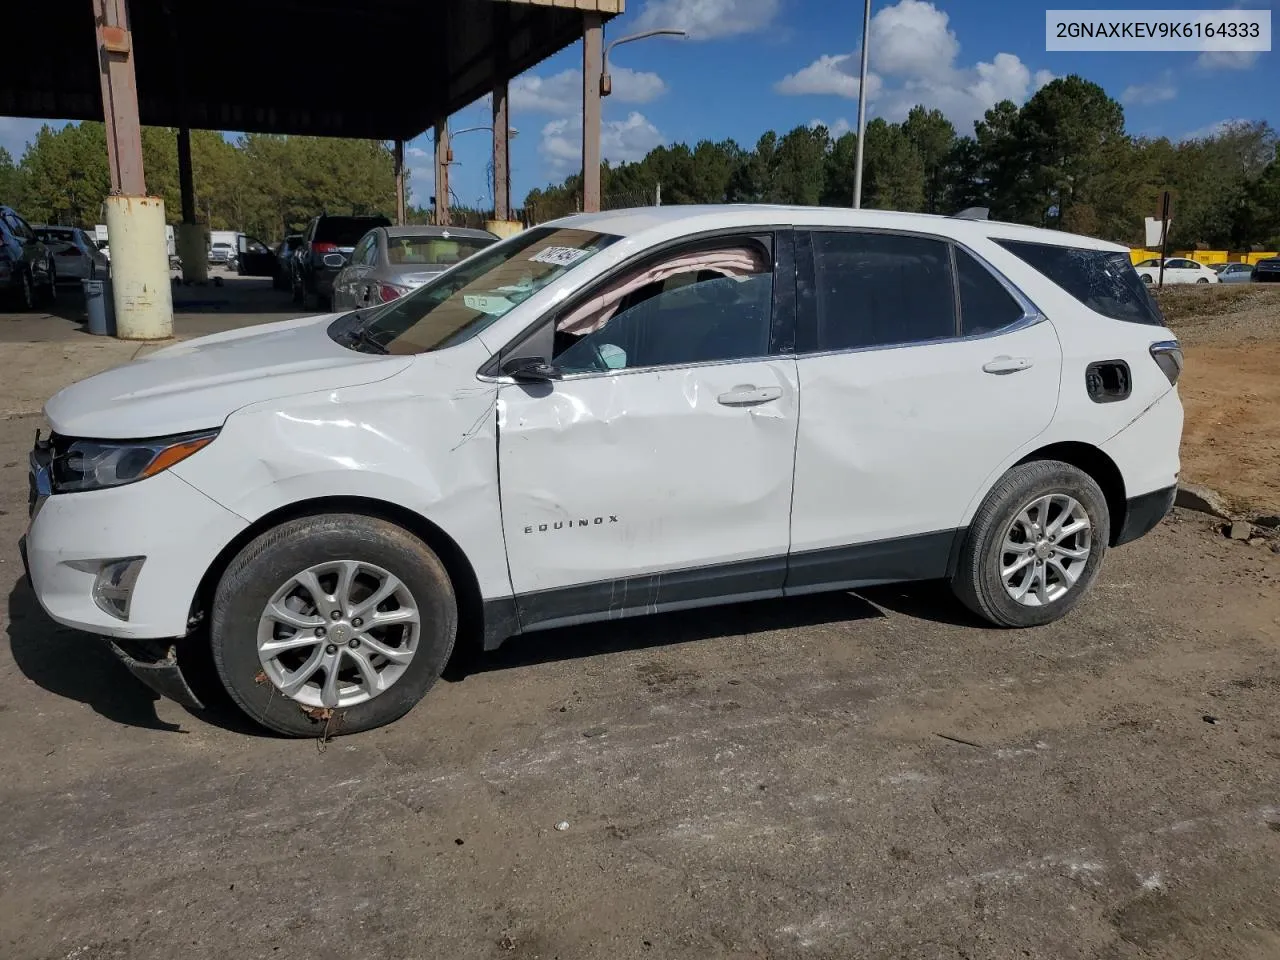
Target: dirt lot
[(842, 776), (1231, 390)]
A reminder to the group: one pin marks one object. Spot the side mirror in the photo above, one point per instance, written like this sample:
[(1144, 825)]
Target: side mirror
[(335, 260), (531, 370)]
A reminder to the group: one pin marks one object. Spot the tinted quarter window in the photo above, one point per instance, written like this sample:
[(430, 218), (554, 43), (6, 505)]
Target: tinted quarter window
[(877, 289), (985, 304), (1102, 280)]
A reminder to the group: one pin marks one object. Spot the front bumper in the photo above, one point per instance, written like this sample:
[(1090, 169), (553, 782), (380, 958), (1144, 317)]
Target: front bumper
[(176, 528)]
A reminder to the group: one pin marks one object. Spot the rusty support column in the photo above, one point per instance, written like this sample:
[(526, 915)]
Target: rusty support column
[(119, 97), (401, 217), (443, 156), (186, 180), (592, 65), (501, 154)]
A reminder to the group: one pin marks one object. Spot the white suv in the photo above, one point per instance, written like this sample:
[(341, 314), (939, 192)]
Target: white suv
[(609, 415)]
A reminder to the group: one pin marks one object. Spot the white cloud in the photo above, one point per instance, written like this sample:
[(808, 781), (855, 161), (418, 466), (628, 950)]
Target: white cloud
[(914, 55), (1214, 129), (837, 129), (561, 93), (1157, 91), (1227, 59), (834, 74), (620, 140), (708, 19), (417, 152)]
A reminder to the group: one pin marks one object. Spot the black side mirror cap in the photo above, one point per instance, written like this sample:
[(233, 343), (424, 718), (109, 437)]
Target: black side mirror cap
[(530, 370)]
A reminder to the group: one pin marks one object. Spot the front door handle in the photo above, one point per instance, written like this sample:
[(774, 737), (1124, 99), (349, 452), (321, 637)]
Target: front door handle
[(1007, 365), (747, 395)]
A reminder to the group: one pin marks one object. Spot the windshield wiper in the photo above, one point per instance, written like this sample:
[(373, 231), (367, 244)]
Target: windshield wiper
[(361, 335)]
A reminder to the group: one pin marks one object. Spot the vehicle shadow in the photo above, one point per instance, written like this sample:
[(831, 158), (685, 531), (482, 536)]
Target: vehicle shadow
[(81, 667), (930, 600), (663, 629), (72, 664)]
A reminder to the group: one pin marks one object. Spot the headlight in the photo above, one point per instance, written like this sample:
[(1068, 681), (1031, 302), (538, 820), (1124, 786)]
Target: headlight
[(95, 464)]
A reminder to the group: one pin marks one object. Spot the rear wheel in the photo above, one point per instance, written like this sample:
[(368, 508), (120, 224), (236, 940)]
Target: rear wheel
[(295, 287), (1146, 278), (1035, 545), (1203, 280), (332, 624)]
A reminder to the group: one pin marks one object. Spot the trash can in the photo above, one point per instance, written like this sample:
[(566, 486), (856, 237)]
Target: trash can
[(97, 304)]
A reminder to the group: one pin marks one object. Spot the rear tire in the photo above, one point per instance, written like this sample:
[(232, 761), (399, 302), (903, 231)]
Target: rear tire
[(1203, 280), (1013, 546), (268, 574)]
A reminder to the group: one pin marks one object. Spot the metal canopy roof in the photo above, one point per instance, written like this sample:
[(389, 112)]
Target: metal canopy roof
[(376, 69)]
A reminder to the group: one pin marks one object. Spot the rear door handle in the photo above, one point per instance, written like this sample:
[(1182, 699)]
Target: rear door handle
[(1007, 365), (746, 395)]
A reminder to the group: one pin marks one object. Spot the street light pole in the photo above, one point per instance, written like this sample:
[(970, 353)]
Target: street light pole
[(606, 82), (596, 83), (511, 134), (862, 105)]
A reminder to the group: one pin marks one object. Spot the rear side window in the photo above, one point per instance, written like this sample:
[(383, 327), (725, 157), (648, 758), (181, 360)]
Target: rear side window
[(345, 231), (880, 289), (1102, 280), (985, 304)]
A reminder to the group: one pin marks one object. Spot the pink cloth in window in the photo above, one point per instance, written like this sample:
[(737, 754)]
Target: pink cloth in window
[(730, 262)]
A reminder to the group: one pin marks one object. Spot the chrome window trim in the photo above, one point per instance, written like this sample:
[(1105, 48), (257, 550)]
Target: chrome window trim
[(1031, 314)]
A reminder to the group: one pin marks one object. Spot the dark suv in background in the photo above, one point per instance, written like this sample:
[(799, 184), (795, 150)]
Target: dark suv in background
[(325, 235), (27, 272)]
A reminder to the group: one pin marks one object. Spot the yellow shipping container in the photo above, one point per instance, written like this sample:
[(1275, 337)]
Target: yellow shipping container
[(1252, 258)]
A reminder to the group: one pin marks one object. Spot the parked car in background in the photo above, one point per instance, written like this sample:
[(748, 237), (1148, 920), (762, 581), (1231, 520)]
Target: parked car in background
[(76, 255), (221, 253), (27, 269), (254, 258), (695, 405), (1267, 271), (325, 235), (389, 262), (285, 251), (1176, 270), (1234, 272)]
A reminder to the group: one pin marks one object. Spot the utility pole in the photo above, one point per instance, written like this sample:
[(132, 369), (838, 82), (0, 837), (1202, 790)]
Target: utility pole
[(862, 104), (401, 217), (443, 156)]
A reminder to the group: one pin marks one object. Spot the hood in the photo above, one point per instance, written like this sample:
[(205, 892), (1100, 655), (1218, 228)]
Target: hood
[(199, 383)]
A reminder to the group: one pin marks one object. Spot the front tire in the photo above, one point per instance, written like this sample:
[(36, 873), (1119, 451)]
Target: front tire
[(1035, 545), (332, 624)]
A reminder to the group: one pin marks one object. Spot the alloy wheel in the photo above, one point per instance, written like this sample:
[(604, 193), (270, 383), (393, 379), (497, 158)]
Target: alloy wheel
[(1046, 549), (338, 633)]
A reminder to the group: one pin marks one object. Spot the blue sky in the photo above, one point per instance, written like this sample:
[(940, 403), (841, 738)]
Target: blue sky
[(752, 65)]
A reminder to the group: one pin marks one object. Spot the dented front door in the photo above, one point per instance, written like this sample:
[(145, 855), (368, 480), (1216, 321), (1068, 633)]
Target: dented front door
[(647, 489)]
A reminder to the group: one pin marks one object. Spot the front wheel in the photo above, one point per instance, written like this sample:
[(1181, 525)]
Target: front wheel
[(1035, 545), (332, 624), (1146, 278)]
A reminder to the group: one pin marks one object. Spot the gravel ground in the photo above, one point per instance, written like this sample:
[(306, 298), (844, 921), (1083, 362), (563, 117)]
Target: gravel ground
[(869, 776)]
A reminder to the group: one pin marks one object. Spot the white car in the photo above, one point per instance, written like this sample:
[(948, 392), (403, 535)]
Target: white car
[(1177, 270), (77, 257), (608, 415)]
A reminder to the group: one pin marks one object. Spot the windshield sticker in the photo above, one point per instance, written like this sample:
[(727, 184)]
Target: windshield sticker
[(558, 256)]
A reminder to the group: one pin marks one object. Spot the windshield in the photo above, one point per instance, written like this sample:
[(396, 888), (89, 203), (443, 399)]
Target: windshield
[(468, 298), (345, 231), (433, 251)]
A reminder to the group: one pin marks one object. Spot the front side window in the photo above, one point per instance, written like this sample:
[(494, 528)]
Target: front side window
[(881, 289), (1102, 280), (460, 303), (699, 305)]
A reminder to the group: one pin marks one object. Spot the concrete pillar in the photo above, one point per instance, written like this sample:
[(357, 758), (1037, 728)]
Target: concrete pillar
[(501, 154), (443, 155), (135, 222), (401, 215), (140, 285), (592, 65)]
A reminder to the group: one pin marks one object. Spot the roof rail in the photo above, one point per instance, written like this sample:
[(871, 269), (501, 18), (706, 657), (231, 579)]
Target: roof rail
[(973, 213)]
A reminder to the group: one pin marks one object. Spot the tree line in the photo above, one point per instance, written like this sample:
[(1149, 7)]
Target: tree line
[(1063, 159), (261, 184)]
